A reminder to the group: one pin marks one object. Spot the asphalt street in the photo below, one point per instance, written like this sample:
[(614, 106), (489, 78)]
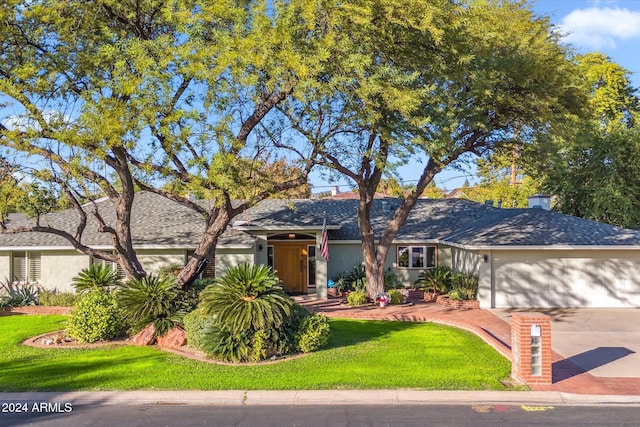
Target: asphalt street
[(321, 415)]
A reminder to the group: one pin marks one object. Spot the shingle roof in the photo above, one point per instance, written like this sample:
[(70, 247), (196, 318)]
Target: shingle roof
[(156, 221), (159, 222), (456, 221)]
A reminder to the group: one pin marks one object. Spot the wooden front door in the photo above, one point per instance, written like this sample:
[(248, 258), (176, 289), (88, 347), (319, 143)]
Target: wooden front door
[(290, 263)]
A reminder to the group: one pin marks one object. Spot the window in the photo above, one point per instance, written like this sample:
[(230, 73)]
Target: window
[(416, 256), (270, 256), (26, 267), (311, 260)]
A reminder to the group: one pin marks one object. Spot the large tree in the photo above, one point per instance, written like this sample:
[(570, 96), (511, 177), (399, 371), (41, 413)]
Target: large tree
[(592, 166), (112, 96), (431, 81)]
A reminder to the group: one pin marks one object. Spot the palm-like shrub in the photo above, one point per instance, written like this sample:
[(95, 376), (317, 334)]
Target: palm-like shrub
[(247, 298), (436, 279), (150, 299), (96, 276)]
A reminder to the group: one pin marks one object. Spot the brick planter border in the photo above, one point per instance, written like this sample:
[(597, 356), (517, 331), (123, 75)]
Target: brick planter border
[(445, 301)]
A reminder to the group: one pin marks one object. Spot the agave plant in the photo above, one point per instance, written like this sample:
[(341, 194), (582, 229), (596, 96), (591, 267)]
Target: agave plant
[(96, 276), (150, 299), (247, 298)]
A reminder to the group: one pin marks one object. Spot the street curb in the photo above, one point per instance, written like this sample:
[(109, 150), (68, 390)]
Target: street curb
[(321, 397)]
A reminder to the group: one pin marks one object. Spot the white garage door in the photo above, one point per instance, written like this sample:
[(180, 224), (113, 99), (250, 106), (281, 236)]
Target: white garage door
[(563, 279)]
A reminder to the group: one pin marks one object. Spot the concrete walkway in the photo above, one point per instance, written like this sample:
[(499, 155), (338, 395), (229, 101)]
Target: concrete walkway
[(493, 329)]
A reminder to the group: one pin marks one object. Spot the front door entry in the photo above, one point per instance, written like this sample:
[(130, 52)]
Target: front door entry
[(290, 263)]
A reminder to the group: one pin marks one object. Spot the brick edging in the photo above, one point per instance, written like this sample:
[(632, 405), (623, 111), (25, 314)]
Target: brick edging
[(35, 310)]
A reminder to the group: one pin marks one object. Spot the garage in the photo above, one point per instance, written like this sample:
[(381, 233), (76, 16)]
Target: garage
[(598, 277)]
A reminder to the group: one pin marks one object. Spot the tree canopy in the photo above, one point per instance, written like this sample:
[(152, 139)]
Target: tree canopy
[(591, 165), (109, 97), (432, 81)]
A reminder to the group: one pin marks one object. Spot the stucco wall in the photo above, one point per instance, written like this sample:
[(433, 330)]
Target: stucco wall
[(60, 267), (154, 259), (5, 266), (226, 258)]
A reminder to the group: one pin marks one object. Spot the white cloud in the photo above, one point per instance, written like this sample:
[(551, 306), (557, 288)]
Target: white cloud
[(601, 27)]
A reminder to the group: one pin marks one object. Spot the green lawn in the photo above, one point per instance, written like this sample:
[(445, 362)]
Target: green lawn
[(360, 355)]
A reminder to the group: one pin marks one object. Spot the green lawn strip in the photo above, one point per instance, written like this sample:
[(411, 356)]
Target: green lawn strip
[(360, 355)]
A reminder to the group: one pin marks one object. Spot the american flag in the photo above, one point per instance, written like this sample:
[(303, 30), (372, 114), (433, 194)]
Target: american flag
[(324, 244)]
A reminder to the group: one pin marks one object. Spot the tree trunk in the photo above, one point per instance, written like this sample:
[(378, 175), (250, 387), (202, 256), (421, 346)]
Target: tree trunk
[(216, 225)]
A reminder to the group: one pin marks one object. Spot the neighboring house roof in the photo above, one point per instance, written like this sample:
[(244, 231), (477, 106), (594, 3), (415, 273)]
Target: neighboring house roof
[(351, 195), (159, 222)]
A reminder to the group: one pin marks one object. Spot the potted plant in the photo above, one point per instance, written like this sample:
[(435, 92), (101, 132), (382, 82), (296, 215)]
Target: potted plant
[(383, 298)]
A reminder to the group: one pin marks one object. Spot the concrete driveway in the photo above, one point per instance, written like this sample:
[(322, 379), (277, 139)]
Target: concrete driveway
[(603, 341)]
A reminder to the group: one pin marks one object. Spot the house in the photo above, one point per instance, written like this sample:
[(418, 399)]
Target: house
[(523, 257)]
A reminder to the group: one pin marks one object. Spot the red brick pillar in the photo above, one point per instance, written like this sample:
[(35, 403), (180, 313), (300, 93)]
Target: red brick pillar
[(531, 348)]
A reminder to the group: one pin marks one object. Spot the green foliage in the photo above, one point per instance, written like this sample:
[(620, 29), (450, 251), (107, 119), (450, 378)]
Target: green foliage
[(195, 324), (259, 346), (18, 295), (221, 343), (436, 279), (391, 280), (171, 270), (150, 299), (356, 298), (247, 298), (352, 280), (95, 317), (313, 333), (56, 298), (590, 165), (187, 300), (464, 286), (96, 276), (395, 296)]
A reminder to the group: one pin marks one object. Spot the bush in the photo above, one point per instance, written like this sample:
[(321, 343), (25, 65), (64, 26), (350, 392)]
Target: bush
[(313, 333), (391, 280), (357, 298), (395, 296), (465, 286), (96, 317), (96, 276), (436, 279), (56, 298), (187, 300), (351, 280), (221, 343), (195, 324), (150, 299)]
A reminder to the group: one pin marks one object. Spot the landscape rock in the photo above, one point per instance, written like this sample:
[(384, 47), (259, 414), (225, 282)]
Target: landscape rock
[(147, 336), (175, 338)]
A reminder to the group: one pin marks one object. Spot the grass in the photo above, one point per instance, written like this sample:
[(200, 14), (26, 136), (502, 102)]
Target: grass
[(360, 355)]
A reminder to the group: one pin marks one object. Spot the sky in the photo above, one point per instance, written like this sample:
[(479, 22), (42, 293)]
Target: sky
[(608, 26)]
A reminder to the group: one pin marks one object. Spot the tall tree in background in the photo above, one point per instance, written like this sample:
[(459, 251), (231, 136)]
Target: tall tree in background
[(429, 80), (592, 166), (151, 92), (502, 178)]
